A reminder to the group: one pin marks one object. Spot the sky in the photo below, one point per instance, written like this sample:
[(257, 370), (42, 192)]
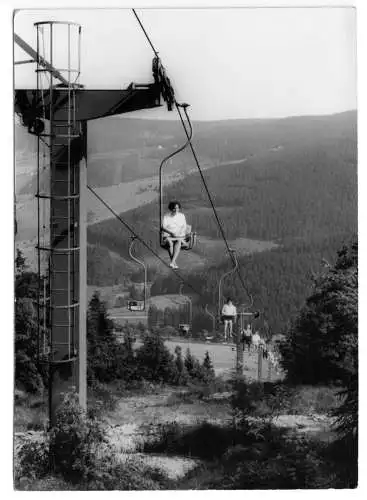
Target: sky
[(226, 63)]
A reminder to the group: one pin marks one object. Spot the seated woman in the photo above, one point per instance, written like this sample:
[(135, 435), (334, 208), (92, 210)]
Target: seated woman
[(174, 230)]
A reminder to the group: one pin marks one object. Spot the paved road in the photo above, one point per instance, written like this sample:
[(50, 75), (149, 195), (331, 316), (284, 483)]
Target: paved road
[(223, 356)]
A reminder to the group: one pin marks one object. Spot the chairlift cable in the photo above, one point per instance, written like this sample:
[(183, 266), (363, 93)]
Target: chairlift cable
[(199, 168), (220, 225), (145, 33)]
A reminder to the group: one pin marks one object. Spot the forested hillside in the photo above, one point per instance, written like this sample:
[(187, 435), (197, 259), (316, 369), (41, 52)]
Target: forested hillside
[(296, 192), (292, 182), (121, 150), (279, 280), (125, 149), (300, 192)]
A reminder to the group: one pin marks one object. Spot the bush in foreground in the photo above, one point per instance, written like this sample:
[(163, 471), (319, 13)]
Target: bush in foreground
[(78, 453)]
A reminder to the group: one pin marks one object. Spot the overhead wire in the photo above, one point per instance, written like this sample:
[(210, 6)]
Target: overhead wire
[(220, 225), (145, 33)]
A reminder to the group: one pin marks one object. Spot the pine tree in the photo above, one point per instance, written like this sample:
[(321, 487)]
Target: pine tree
[(208, 368), (152, 317), (28, 373), (181, 373), (154, 360), (322, 344), (179, 362), (101, 341), (189, 361), (100, 326), (20, 262)]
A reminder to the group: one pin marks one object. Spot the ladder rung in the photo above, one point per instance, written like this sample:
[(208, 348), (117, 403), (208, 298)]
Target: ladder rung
[(62, 361), (62, 344), (63, 325), (63, 272), (62, 237), (69, 306), (58, 198), (69, 136), (60, 290), (59, 251), (60, 217)]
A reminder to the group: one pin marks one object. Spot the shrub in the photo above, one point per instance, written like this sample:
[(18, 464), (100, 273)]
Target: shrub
[(77, 449), (27, 375), (154, 361), (208, 369), (33, 459), (74, 440), (280, 464), (202, 373), (205, 440), (253, 399)]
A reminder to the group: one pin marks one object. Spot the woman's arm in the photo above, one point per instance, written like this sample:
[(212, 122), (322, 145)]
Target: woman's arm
[(164, 227), (181, 230)]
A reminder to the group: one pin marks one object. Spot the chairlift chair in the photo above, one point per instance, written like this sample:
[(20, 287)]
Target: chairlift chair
[(184, 328), (138, 305), (187, 243), (189, 240)]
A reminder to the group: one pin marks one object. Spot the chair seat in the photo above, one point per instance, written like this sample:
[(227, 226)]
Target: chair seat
[(187, 242), (136, 305)]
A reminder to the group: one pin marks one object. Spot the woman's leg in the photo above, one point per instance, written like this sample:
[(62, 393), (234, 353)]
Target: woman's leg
[(225, 329), (170, 247), (176, 251)]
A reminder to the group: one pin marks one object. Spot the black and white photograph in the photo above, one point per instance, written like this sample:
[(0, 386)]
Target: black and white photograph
[(185, 248)]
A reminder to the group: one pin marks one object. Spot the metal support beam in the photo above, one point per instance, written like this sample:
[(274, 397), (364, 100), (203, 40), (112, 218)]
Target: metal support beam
[(83, 282), (239, 353), (259, 363), (41, 61), (27, 61)]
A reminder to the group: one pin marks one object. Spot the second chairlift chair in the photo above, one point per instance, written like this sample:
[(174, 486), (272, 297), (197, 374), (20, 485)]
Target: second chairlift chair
[(138, 305)]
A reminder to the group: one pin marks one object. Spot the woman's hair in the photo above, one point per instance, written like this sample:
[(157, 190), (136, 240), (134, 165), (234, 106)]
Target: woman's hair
[(229, 300), (172, 205)]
